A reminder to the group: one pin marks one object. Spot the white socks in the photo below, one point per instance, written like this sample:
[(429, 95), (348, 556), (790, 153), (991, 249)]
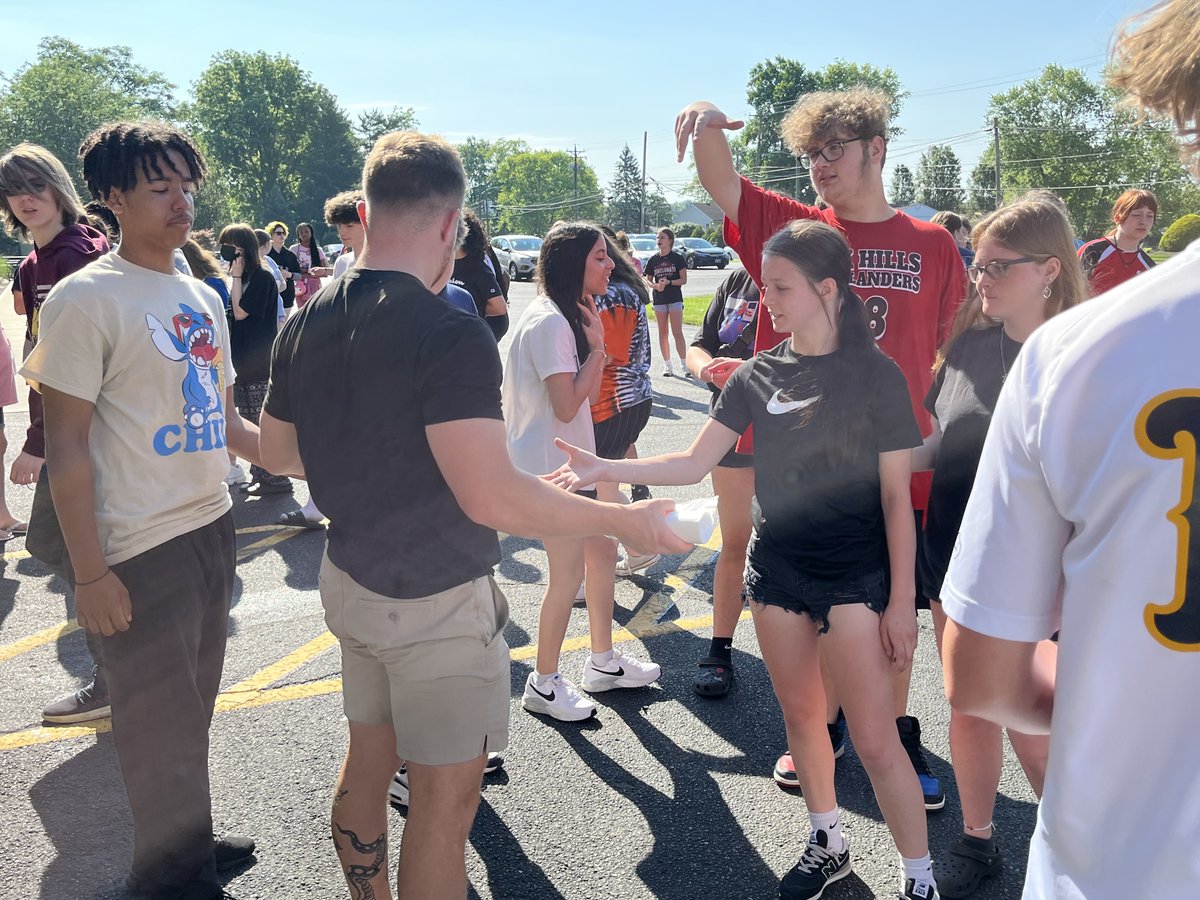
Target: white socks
[(830, 823), (919, 870)]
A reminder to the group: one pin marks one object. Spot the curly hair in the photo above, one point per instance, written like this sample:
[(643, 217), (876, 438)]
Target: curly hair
[(342, 209), (1158, 63), (823, 116), (475, 244), (116, 155)]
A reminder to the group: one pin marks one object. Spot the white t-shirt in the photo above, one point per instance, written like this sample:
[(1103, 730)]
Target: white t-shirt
[(542, 345), (151, 352), (343, 263), (1076, 523)]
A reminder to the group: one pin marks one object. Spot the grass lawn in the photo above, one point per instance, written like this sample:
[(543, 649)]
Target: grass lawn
[(1157, 255), (694, 309)]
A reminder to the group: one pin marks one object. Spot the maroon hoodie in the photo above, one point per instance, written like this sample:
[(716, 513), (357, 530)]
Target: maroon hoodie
[(70, 250)]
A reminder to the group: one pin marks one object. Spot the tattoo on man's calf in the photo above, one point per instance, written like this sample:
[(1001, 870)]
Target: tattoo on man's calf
[(360, 877)]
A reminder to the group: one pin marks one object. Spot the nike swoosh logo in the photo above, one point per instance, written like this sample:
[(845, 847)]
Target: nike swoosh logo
[(777, 407), (549, 698), (617, 674)]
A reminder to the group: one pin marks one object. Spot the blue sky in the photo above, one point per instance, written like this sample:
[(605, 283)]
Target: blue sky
[(597, 75)]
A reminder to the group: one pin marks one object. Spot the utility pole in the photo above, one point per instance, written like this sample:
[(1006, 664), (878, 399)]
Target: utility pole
[(643, 217), (996, 148)]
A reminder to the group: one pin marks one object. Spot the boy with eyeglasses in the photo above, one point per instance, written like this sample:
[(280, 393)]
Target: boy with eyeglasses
[(908, 273)]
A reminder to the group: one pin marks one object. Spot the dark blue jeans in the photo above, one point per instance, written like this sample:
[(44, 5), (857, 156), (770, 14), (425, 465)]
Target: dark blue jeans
[(164, 674)]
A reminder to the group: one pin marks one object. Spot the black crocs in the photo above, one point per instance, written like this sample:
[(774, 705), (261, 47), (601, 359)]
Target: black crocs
[(964, 866), (714, 678)]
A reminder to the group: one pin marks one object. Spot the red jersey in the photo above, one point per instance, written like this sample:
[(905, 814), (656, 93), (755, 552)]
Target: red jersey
[(1105, 265), (908, 273)]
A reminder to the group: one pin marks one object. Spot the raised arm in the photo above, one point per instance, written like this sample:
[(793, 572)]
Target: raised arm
[(705, 125)]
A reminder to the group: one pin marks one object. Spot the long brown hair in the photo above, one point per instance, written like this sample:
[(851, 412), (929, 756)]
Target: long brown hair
[(1034, 225)]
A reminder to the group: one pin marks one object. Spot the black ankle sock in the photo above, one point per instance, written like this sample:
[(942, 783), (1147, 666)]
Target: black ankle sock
[(722, 649)]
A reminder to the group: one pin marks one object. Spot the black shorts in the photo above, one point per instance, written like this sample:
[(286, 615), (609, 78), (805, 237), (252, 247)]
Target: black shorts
[(590, 493), (615, 435), (773, 580)]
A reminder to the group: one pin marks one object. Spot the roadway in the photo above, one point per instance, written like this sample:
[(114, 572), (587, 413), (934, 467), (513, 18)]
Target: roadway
[(663, 795)]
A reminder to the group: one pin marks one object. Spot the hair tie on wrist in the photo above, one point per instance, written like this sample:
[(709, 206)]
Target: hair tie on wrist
[(107, 572)]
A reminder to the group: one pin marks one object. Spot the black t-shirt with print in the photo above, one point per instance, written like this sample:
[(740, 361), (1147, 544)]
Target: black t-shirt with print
[(730, 321), (962, 398), (251, 338), (668, 267), (474, 277), (825, 518), (361, 371)]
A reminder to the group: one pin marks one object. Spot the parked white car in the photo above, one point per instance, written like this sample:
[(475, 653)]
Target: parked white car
[(518, 253)]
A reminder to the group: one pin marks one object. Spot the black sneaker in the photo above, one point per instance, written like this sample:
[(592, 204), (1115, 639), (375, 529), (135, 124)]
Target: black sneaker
[(837, 735), (84, 705), (232, 850), (817, 868), (910, 737), (919, 890), (639, 492)]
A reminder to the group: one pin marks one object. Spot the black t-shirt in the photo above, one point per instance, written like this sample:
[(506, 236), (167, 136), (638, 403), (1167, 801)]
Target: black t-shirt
[(474, 277), (825, 517), (251, 338), (963, 397), (730, 322), (668, 267), (286, 259), (360, 371)]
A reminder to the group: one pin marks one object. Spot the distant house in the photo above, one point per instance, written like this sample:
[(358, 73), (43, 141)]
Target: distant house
[(702, 214), (919, 211)]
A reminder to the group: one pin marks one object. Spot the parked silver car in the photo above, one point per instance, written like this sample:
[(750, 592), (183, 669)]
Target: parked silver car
[(518, 254)]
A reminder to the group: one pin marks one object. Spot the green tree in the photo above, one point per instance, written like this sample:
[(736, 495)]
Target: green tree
[(624, 209), (659, 210), (904, 187), (540, 187), (68, 90), (939, 179), (281, 139), (373, 123), (773, 89), (1074, 136), (480, 159)]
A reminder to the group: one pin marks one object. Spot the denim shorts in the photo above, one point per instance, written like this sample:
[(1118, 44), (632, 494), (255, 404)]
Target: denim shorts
[(665, 308), (773, 580)]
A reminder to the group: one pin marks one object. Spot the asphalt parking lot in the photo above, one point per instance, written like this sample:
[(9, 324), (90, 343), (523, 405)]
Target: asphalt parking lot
[(662, 795)]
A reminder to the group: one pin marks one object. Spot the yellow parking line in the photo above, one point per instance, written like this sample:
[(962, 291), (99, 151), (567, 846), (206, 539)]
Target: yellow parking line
[(280, 533), (286, 666), (45, 636)]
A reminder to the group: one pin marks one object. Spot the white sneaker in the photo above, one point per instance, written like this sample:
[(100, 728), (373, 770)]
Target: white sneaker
[(398, 789), (581, 596), (631, 562), (622, 671), (557, 698), (667, 370), (237, 475), (684, 370)]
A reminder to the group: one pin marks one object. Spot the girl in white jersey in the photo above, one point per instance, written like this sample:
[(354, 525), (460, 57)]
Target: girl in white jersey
[(552, 373), (831, 556)]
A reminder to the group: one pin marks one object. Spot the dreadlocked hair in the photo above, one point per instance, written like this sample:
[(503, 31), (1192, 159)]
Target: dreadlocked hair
[(117, 154)]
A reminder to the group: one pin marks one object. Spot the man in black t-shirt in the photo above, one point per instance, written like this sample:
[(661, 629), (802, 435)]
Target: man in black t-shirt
[(388, 400)]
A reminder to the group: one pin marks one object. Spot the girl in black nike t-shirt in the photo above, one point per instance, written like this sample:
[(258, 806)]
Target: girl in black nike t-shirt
[(831, 557)]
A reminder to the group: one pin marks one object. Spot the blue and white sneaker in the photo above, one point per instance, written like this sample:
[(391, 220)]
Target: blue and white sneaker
[(931, 787)]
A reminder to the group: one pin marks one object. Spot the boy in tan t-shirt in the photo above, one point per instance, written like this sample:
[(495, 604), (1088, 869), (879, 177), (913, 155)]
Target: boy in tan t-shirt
[(133, 365)]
